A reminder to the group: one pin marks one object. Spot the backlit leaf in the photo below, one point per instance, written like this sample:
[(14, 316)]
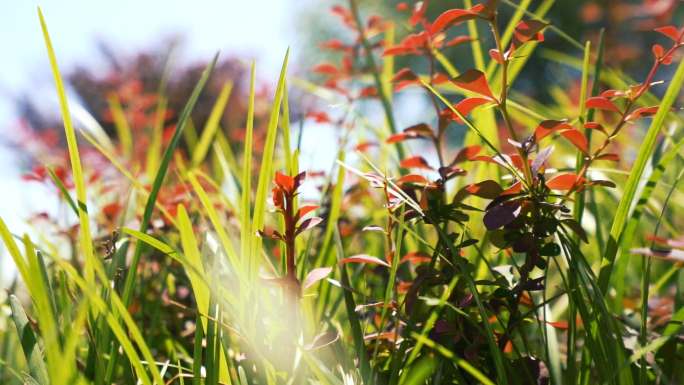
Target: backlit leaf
[(475, 81), (563, 182), (596, 126), (548, 127), (364, 258), (670, 32), (487, 189), (307, 224), (578, 139), (458, 16), (415, 162), (602, 104), (316, 275)]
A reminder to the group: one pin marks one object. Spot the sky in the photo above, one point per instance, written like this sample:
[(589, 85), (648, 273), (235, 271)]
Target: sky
[(246, 28)]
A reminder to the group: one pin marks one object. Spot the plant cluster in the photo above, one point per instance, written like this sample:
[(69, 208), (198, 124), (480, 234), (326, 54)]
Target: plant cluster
[(503, 260)]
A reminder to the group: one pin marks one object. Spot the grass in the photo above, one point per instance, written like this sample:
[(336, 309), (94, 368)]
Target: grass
[(414, 270)]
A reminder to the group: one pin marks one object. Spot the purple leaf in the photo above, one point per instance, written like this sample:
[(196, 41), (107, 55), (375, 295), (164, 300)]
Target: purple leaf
[(307, 224), (539, 160), (501, 215)]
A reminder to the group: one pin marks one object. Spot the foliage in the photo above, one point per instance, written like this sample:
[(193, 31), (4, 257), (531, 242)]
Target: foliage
[(503, 260)]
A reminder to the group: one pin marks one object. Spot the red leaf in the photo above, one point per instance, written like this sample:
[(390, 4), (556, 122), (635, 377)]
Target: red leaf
[(285, 182), (527, 30), (440, 78), (467, 105), (327, 69), (614, 94), (398, 138), (401, 50), (307, 224), (602, 104), (303, 211), (475, 81), (458, 40), (332, 44), (487, 189), (458, 16), (416, 257), (364, 258), (368, 92), (563, 182), (548, 127), (609, 157), (658, 51), (413, 178), (111, 209), (516, 188), (578, 139), (404, 75), (562, 325), (670, 32), (319, 117), (466, 153), (668, 60), (596, 126), (402, 7), (316, 275), (644, 112), (494, 53), (415, 162), (404, 78)]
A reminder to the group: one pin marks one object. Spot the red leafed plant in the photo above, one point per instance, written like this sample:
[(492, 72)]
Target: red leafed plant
[(283, 196)]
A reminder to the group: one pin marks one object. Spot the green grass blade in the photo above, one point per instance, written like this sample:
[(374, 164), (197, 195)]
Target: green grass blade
[(86, 240), (350, 305), (161, 173), (29, 344), (620, 220), (246, 196), (265, 175), (123, 130), (212, 125), (63, 189)]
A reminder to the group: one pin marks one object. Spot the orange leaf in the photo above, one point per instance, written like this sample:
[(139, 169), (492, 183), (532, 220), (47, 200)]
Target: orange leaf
[(303, 211), (475, 81), (413, 178), (670, 32), (563, 182), (596, 126), (415, 162), (467, 105), (602, 104), (578, 139), (458, 16), (548, 127), (466, 153)]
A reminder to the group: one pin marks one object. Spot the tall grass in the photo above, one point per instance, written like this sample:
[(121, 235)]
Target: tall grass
[(473, 269)]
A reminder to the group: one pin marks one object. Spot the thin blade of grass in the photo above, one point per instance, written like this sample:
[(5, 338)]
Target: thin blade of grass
[(265, 173), (79, 182), (212, 125)]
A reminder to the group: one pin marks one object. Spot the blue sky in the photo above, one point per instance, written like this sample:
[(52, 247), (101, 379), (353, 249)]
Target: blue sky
[(247, 28)]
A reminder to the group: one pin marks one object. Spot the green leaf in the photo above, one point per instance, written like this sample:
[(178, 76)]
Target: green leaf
[(29, 344), (79, 182), (212, 125)]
